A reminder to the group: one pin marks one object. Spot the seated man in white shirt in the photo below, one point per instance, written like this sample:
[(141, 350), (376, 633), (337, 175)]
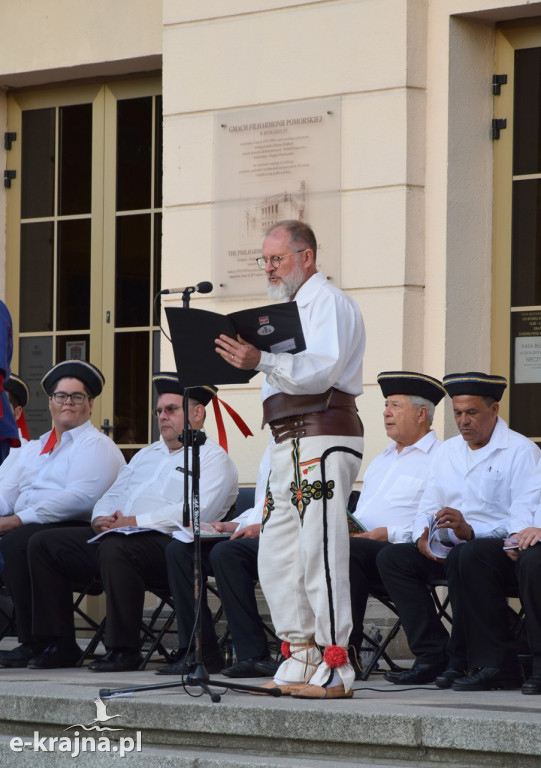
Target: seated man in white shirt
[(394, 481), (473, 482), (492, 569), (55, 482), (233, 563), (149, 494)]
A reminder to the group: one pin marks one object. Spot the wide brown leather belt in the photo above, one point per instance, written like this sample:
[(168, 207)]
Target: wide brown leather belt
[(293, 416)]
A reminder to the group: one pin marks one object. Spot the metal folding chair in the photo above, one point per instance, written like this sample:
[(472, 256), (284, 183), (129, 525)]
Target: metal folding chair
[(379, 649)]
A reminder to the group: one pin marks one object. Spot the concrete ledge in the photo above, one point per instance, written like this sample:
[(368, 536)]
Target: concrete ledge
[(381, 723)]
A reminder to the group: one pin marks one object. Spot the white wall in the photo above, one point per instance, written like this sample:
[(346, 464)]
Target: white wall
[(221, 56), (46, 41)]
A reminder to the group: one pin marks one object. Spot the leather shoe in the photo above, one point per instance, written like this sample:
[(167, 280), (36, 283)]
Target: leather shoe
[(56, 656), (319, 692), (183, 664), (256, 666), (448, 677), (286, 689), (489, 679), (19, 657), (419, 674), (532, 685), (116, 660), (213, 662)]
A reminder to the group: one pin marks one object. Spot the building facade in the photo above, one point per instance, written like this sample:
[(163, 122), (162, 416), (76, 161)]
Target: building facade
[(121, 179)]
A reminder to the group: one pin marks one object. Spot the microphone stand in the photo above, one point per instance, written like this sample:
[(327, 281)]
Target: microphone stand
[(199, 676)]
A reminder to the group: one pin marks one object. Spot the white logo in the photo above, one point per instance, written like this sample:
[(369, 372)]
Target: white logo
[(80, 744), (101, 717), (265, 330)]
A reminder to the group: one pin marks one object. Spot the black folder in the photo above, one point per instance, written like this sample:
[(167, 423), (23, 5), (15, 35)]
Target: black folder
[(273, 328)]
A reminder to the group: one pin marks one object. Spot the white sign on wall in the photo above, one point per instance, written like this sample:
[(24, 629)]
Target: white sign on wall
[(528, 360), (273, 163)]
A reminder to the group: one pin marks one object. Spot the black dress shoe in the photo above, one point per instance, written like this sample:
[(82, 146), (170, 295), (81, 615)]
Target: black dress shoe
[(213, 661), (116, 660), (19, 657), (448, 677), (56, 656), (419, 674), (267, 667), (184, 665), (256, 666), (532, 685), (489, 679)]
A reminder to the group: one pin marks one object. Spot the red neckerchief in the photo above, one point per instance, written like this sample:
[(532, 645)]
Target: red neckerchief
[(50, 444)]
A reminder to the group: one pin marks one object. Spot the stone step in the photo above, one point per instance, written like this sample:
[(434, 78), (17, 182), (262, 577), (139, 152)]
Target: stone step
[(381, 725), (167, 757)]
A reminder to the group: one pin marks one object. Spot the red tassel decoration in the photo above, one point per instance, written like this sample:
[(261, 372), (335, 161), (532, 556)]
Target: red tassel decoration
[(286, 650), (335, 656)]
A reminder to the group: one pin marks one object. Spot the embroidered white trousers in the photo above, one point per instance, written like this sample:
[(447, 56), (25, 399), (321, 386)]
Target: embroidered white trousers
[(304, 549)]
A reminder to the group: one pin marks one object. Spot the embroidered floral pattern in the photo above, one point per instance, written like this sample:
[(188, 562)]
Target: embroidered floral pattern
[(268, 507), (303, 492)]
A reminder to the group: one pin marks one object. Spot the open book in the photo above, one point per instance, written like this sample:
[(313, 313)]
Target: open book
[(207, 532), (273, 328)]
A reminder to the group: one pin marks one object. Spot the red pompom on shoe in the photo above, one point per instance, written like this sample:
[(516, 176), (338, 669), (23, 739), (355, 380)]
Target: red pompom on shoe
[(286, 650), (335, 656)]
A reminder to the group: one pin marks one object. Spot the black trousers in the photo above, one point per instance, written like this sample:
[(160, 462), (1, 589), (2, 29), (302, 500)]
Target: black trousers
[(363, 578), (126, 565), (14, 547), (487, 576), (406, 574), (234, 564)]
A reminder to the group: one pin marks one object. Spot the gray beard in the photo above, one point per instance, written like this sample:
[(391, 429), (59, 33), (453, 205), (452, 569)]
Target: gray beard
[(288, 286)]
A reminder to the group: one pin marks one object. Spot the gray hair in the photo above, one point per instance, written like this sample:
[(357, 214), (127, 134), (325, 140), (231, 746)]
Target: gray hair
[(419, 402), (299, 232)]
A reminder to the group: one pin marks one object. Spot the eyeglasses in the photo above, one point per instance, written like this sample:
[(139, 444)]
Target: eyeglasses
[(275, 261), (169, 410), (77, 398)]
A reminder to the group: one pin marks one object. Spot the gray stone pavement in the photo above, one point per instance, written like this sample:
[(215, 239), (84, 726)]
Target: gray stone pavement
[(382, 725)]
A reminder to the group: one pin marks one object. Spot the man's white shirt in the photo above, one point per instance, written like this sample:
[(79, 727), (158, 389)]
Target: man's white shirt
[(151, 487), (393, 485), (64, 484), (484, 491), (335, 341)]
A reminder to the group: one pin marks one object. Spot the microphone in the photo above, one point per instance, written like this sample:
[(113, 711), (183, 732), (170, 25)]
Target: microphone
[(204, 287)]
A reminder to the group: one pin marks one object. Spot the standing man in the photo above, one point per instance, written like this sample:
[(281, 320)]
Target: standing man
[(55, 482), (393, 482), (148, 494), (316, 453), (9, 433), (474, 479)]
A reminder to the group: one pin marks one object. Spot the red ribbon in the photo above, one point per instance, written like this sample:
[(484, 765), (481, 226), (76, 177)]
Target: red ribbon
[(50, 444), (241, 424), (21, 423)]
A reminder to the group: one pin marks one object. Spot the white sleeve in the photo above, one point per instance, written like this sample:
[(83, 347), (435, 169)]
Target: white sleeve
[(254, 515), (333, 329)]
